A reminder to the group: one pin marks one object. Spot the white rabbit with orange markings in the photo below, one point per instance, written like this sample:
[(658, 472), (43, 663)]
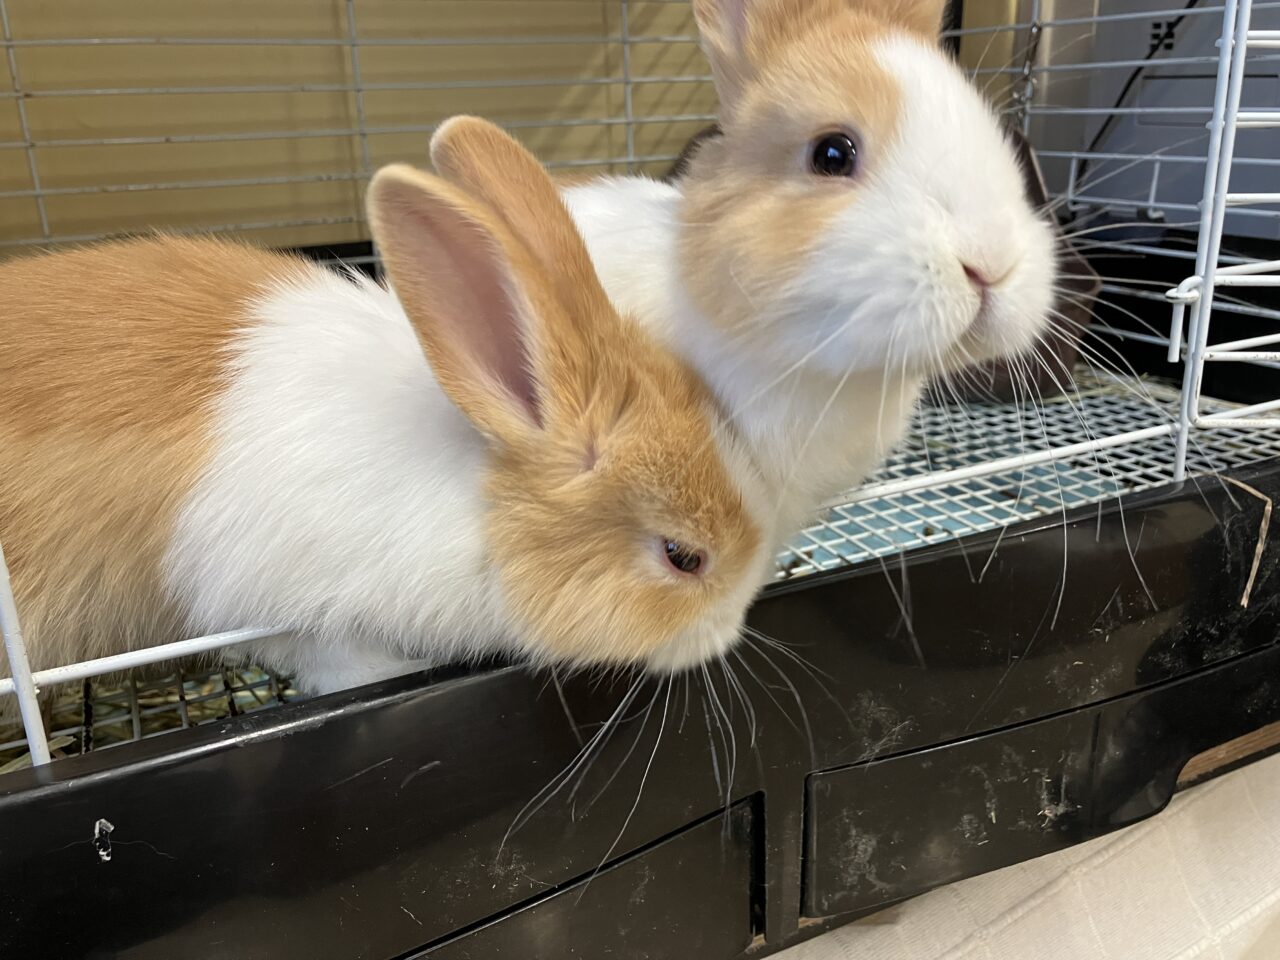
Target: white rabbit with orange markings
[(196, 436), (859, 226)]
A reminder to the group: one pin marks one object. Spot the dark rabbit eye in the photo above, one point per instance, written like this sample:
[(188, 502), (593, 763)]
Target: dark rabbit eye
[(833, 155), (681, 557)]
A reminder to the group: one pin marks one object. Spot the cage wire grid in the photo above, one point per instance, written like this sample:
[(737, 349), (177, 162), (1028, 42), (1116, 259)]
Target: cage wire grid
[(961, 471), (617, 69), (1055, 81)]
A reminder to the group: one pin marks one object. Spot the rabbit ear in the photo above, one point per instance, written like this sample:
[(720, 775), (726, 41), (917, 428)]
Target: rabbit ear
[(484, 160), (470, 292), (722, 27), (737, 35), (919, 16)]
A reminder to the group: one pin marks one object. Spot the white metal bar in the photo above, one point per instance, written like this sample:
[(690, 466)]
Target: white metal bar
[(141, 658), (215, 228), (1061, 111), (1244, 356), (1155, 186), (1134, 335), (1027, 92), (1238, 413), (495, 41), (252, 135), (1241, 309), (628, 90), (1222, 129), (182, 185), (1224, 423), (1179, 11), (21, 680), (322, 221), (1140, 203), (1149, 157), (1256, 119), (1264, 39), (1092, 66), (1205, 424), (1248, 280), (24, 126), (1144, 249), (403, 85), (1249, 268), (353, 36), (1000, 465), (1247, 343), (1238, 198)]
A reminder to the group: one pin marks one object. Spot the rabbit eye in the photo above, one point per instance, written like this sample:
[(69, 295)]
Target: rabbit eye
[(833, 155), (681, 557)]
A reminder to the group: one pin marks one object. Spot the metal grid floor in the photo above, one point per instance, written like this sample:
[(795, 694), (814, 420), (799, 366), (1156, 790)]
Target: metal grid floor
[(949, 437), (107, 712)]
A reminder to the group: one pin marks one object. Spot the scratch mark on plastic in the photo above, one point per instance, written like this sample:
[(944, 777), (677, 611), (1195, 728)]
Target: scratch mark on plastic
[(359, 773), (422, 769)]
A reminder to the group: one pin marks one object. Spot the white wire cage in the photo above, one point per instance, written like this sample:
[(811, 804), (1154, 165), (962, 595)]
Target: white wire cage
[(1140, 119)]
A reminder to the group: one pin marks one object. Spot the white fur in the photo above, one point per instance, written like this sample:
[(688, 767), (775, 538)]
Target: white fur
[(344, 502), (811, 435), (948, 194), (824, 380), (343, 498)]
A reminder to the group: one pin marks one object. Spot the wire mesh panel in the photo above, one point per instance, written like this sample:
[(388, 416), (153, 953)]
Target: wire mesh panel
[(1120, 105), (97, 714), (1159, 132), (265, 118), (902, 507)]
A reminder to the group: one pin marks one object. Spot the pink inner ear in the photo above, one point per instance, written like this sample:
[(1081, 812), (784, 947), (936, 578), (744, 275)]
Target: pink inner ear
[(484, 317)]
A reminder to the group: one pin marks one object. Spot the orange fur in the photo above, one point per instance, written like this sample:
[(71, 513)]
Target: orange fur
[(626, 450), (778, 22), (741, 37), (110, 358), (567, 541), (813, 76), (484, 159)]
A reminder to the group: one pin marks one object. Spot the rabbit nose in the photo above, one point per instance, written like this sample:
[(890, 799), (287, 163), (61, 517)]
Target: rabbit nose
[(977, 278)]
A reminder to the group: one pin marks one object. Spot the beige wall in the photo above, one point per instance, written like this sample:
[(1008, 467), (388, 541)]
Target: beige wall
[(992, 50), (84, 117), (326, 168)]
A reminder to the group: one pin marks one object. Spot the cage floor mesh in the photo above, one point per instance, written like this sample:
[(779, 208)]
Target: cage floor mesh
[(102, 713), (950, 437)]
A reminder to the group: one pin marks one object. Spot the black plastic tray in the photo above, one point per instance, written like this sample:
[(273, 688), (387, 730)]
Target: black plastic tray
[(1008, 716)]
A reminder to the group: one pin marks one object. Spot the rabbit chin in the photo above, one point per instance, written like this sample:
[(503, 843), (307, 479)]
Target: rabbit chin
[(700, 643)]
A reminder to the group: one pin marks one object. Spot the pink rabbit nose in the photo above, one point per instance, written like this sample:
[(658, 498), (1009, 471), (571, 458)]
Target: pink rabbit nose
[(976, 277)]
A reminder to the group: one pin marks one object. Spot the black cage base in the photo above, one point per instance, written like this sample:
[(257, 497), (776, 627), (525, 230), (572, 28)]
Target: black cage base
[(911, 726)]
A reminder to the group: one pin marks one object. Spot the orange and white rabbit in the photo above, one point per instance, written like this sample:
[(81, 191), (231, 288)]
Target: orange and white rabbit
[(859, 226), (197, 436)]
